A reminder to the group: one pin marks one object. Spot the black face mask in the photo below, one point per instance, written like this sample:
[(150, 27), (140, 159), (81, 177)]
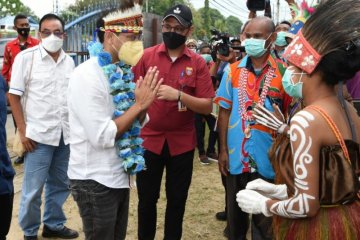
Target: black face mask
[(173, 40), (24, 32)]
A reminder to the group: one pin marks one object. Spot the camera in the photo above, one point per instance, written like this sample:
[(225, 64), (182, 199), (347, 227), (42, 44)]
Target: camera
[(220, 42)]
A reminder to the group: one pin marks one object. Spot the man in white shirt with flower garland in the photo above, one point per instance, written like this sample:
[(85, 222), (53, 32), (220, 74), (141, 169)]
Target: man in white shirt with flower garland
[(105, 111)]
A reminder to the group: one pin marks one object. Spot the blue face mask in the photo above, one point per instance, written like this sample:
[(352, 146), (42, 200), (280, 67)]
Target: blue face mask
[(256, 47), (280, 39), (293, 90), (207, 57)]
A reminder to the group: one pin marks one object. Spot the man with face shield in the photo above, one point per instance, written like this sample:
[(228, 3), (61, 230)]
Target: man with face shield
[(170, 136), (37, 96), (106, 111), (244, 144)]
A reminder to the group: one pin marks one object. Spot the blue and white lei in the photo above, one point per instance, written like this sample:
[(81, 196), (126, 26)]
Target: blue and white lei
[(122, 88)]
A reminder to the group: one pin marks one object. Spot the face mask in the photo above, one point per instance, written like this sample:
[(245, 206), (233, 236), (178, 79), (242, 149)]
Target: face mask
[(24, 32), (52, 43), (207, 58), (293, 90), (280, 39), (255, 47), (173, 40), (193, 49), (131, 52)]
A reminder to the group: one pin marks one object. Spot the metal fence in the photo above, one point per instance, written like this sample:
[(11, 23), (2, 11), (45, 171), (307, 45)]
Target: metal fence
[(80, 29)]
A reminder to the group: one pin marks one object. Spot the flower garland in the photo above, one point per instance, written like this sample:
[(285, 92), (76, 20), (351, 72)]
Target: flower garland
[(122, 87), (243, 81)]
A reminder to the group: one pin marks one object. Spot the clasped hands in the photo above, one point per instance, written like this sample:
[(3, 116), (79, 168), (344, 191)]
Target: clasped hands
[(253, 199), (149, 87)]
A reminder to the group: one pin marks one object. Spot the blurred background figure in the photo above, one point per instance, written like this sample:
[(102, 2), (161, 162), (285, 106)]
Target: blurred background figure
[(191, 44)]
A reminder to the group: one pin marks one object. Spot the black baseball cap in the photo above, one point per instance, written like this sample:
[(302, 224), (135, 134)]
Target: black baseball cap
[(182, 13)]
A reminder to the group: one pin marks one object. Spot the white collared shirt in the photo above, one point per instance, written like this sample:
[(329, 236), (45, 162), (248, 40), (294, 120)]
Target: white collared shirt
[(45, 106), (92, 130)]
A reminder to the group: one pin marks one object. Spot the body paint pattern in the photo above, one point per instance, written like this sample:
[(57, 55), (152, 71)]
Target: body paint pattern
[(298, 205)]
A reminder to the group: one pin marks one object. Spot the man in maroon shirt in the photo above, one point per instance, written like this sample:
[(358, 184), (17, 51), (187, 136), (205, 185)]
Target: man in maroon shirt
[(12, 48), (169, 137)]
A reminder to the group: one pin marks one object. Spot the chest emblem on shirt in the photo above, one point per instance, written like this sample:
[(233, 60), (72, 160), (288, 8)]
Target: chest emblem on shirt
[(189, 71)]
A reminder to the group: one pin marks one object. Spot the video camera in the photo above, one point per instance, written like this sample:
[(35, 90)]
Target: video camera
[(220, 43)]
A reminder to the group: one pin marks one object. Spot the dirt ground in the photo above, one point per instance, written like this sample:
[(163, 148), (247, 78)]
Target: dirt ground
[(206, 197)]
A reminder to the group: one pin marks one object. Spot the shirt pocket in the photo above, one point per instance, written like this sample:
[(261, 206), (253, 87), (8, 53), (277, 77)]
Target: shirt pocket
[(40, 79), (188, 84)]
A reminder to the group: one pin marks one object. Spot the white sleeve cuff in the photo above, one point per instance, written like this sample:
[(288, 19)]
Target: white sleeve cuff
[(16, 91)]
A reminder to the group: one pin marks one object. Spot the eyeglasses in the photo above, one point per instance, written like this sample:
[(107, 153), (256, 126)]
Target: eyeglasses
[(177, 29), (46, 34)]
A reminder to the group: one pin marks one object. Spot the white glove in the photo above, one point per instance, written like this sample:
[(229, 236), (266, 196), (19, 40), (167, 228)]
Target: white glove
[(252, 202), (269, 190), (268, 119)]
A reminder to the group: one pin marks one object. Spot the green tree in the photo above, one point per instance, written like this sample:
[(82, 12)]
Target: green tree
[(159, 7), (13, 7), (213, 14), (206, 16), (233, 25)]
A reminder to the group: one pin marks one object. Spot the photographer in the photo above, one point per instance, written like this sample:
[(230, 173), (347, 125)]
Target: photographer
[(221, 53)]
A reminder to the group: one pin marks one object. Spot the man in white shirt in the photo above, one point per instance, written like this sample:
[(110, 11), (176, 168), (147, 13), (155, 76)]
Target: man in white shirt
[(39, 81), (98, 180)]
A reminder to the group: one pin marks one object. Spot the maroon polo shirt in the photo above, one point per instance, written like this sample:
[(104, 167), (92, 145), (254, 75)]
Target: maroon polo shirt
[(188, 72)]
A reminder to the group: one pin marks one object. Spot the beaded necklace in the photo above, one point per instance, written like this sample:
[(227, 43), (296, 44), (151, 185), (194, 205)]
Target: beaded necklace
[(242, 93)]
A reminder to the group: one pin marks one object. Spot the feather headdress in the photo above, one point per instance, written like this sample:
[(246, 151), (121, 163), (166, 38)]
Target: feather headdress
[(302, 13), (127, 20)]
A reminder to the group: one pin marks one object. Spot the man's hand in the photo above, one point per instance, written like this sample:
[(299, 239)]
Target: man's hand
[(28, 144), (147, 88), (168, 93), (223, 162)]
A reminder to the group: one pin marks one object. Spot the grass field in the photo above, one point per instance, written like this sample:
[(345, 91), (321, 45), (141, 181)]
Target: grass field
[(206, 197)]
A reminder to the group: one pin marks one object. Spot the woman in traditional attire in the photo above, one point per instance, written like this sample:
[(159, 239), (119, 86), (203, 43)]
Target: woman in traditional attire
[(320, 199)]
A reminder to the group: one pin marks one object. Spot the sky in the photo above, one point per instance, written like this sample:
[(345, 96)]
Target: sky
[(226, 7)]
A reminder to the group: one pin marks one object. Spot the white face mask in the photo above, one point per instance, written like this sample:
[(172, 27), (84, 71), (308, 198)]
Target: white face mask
[(52, 43)]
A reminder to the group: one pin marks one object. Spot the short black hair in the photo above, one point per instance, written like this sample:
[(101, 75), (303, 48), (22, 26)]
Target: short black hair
[(204, 45), (285, 22), (51, 16), (19, 16), (100, 23)]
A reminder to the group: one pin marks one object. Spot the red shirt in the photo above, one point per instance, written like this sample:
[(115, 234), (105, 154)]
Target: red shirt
[(12, 49), (189, 72)]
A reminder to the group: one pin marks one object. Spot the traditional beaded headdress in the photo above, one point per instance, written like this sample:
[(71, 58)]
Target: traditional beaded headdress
[(127, 21)]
